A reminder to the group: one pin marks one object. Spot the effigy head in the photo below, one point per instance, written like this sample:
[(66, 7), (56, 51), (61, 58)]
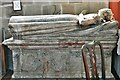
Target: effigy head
[(106, 14)]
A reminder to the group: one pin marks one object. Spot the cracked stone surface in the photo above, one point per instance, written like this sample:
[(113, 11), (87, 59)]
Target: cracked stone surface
[(56, 55)]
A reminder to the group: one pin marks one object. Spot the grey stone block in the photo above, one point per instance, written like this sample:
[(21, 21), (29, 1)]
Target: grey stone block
[(41, 2), (79, 7), (52, 9), (0, 30), (68, 8), (0, 11), (31, 9), (0, 22), (91, 7), (28, 9), (95, 6), (37, 9), (26, 2), (57, 2), (5, 22), (5, 33), (75, 1), (5, 2), (0, 2), (7, 11)]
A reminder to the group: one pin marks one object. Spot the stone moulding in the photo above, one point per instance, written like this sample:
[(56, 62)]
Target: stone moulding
[(55, 55)]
